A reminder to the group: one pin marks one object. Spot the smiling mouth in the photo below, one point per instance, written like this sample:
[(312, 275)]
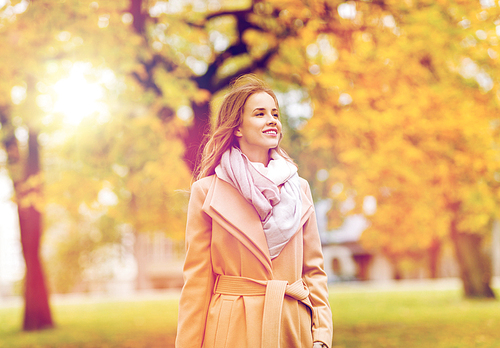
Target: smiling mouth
[(271, 132)]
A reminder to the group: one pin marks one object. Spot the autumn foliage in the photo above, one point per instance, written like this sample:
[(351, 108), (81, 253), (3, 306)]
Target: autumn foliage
[(403, 98)]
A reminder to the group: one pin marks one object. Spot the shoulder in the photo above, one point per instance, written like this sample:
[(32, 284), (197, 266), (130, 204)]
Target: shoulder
[(199, 193), (304, 184), (200, 189), (306, 189), (203, 184)]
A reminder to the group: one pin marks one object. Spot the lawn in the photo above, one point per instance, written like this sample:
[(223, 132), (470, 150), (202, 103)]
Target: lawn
[(144, 323), (410, 319), (363, 318)]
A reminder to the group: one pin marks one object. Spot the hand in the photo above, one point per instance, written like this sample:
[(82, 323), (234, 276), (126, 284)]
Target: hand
[(318, 344)]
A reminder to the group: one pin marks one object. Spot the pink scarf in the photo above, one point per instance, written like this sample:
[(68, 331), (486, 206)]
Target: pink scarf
[(279, 212)]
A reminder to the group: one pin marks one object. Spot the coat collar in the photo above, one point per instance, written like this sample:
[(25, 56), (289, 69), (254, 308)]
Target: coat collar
[(227, 206)]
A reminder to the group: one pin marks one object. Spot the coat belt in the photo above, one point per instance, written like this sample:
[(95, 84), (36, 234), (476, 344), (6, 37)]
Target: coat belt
[(274, 292)]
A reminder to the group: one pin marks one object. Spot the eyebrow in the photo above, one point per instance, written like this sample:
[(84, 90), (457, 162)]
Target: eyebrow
[(264, 109)]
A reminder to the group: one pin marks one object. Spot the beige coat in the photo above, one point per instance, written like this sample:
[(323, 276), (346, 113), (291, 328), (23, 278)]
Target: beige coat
[(236, 296)]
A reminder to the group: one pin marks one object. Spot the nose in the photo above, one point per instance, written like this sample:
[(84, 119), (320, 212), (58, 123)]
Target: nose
[(271, 121)]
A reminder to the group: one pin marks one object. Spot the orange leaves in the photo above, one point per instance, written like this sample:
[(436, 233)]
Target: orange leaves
[(202, 96), (351, 156), (415, 134)]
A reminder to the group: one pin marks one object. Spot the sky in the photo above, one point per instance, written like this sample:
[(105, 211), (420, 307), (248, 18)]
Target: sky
[(11, 262)]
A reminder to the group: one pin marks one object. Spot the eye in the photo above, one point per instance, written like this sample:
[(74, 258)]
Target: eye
[(260, 114), (276, 115)]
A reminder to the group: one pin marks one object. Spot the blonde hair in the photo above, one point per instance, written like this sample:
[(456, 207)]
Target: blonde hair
[(230, 117)]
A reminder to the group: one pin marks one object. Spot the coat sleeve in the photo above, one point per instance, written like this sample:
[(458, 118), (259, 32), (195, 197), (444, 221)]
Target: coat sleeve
[(198, 275), (315, 278)]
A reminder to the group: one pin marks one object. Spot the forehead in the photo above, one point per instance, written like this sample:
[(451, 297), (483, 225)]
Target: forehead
[(260, 100)]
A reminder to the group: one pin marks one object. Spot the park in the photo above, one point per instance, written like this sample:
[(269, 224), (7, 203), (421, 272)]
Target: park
[(412, 314), (389, 109)]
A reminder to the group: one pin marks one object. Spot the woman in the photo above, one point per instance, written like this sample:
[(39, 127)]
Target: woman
[(253, 272)]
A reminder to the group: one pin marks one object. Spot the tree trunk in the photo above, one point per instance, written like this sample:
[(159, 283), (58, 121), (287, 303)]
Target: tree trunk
[(37, 313), (396, 270), (196, 134), (434, 252), (475, 269), (142, 280)]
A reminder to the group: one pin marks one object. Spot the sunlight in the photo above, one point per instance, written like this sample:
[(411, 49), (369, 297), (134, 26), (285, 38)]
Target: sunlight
[(77, 98)]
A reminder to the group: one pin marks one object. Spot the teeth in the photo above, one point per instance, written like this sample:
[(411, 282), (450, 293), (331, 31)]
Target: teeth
[(271, 131)]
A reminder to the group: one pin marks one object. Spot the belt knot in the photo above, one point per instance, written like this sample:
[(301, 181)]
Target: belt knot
[(274, 291)]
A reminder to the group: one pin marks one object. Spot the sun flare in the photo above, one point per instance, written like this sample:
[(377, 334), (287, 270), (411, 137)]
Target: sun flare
[(77, 97)]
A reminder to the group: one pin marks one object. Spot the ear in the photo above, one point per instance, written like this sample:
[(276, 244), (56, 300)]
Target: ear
[(237, 133)]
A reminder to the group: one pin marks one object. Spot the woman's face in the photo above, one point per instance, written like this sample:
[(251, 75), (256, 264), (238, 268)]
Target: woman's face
[(260, 129)]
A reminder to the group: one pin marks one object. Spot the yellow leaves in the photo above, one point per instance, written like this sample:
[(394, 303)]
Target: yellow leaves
[(351, 156), (32, 199), (33, 183), (474, 223), (416, 147), (400, 225), (409, 131), (332, 76), (260, 42), (71, 189), (176, 91), (29, 193), (462, 160), (202, 96), (135, 157)]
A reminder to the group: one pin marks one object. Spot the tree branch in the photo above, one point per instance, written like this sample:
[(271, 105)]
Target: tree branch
[(139, 16), (9, 139), (257, 64)]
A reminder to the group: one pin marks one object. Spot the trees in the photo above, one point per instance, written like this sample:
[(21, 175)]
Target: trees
[(403, 96), (410, 120), (126, 174), (34, 58), (209, 44), (24, 167)]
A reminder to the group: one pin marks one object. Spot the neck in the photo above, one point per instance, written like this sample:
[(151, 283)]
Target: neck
[(258, 156)]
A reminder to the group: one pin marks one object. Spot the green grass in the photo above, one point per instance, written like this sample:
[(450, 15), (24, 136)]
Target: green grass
[(147, 324), (363, 319), (437, 319)]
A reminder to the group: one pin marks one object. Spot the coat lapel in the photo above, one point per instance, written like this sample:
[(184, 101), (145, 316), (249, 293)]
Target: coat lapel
[(226, 206), (307, 205)]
